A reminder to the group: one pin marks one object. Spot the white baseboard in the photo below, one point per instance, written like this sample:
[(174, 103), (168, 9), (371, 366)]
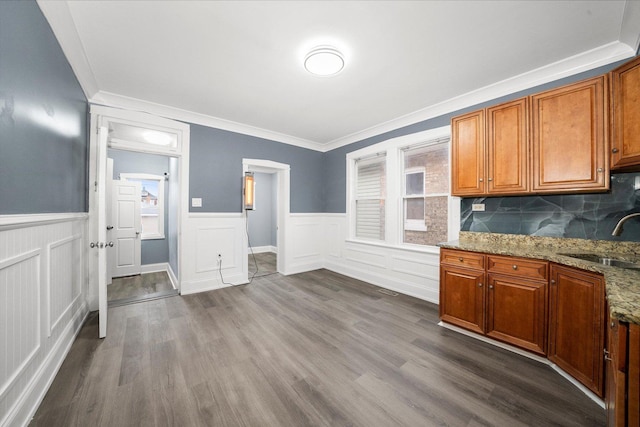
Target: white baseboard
[(195, 286), (27, 404), (384, 281), (304, 267), (173, 277), (154, 268)]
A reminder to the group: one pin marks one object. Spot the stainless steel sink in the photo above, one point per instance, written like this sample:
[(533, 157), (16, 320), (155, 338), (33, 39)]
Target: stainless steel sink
[(613, 262)]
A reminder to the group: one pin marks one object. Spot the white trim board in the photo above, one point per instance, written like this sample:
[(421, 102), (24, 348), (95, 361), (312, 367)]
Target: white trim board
[(20, 221)]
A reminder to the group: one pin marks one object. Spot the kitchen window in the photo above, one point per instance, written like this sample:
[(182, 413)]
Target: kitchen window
[(370, 198), (426, 193), (398, 192)]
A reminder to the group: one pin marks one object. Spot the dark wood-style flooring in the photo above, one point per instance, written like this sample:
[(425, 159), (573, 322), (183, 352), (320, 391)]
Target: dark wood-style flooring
[(140, 285), (313, 349), (262, 264)]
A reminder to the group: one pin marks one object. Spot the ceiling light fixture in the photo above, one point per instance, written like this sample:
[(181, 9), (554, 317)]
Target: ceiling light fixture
[(324, 61)]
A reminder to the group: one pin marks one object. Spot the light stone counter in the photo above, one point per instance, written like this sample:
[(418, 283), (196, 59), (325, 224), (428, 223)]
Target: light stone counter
[(622, 285)]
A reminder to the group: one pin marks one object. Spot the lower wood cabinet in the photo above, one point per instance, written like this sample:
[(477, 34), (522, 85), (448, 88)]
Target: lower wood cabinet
[(576, 324), (495, 300), (516, 312), (622, 391)]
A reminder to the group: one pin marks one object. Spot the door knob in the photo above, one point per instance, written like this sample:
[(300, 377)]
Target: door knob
[(110, 244), (109, 227)]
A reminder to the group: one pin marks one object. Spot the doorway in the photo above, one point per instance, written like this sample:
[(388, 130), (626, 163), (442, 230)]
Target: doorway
[(136, 132), (262, 226), (274, 195), (142, 213)]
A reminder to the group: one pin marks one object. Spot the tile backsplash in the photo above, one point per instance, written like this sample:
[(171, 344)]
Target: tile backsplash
[(583, 216)]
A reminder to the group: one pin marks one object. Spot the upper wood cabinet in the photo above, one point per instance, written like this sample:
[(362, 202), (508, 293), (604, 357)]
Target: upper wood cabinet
[(553, 142), (625, 116), (468, 154), (508, 148), (490, 151), (569, 138)]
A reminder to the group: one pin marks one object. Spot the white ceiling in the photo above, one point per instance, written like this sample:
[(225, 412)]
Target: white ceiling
[(237, 65)]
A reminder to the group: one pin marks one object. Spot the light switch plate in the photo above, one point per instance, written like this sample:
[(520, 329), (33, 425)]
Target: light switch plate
[(196, 202), (477, 207)]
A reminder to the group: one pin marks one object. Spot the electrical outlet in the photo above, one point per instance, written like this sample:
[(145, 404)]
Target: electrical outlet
[(477, 207)]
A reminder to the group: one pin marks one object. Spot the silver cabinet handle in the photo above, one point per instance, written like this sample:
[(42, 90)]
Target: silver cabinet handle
[(515, 267)]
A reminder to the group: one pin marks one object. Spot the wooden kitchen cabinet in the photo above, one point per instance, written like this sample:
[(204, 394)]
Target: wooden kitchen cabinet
[(569, 138), (508, 148), (489, 151), (622, 394), (462, 295), (615, 373), (468, 155), (576, 324), (517, 302), (625, 116), (507, 301)]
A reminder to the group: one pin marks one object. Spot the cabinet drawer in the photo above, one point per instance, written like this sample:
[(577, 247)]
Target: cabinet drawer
[(462, 259), (536, 270)]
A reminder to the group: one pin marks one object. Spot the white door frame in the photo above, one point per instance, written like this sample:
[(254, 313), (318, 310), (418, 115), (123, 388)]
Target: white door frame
[(182, 130), (282, 172)]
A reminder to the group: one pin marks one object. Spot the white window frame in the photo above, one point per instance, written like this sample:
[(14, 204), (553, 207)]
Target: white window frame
[(413, 224), (394, 205), (160, 179), (367, 160)]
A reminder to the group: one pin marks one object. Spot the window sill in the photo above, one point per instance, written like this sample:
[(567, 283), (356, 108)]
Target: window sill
[(435, 250)]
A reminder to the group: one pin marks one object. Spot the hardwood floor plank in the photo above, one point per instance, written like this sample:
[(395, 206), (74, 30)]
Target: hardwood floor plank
[(313, 349)]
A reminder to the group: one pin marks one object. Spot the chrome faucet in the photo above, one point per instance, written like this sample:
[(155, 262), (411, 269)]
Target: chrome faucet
[(618, 229)]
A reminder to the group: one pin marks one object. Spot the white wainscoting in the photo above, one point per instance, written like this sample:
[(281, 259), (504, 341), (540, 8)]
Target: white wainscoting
[(409, 271), (43, 304), (305, 243), (205, 236)]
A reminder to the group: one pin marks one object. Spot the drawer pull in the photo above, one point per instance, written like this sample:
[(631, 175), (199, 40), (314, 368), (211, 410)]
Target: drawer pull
[(479, 285), (614, 150), (490, 286), (461, 259), (515, 267), (606, 355), (553, 282)]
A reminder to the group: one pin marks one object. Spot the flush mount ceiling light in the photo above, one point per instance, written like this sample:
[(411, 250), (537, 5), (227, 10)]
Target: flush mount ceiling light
[(324, 61)]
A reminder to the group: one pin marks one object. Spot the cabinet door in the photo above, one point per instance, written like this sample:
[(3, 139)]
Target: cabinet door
[(615, 362), (570, 139), (462, 297), (467, 155), (507, 148), (516, 312), (625, 115), (576, 324)]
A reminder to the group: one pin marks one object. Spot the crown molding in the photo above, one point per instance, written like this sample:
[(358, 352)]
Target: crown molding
[(584, 61), (630, 28), (120, 101), (58, 15)]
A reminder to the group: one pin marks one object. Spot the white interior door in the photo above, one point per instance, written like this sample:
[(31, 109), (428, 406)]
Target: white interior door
[(101, 234), (109, 208), (127, 229)]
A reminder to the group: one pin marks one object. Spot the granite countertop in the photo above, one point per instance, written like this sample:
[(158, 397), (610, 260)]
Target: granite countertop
[(622, 285)]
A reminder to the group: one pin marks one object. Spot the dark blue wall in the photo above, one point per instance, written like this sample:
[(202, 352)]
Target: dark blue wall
[(153, 250), (215, 169), (43, 118)]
